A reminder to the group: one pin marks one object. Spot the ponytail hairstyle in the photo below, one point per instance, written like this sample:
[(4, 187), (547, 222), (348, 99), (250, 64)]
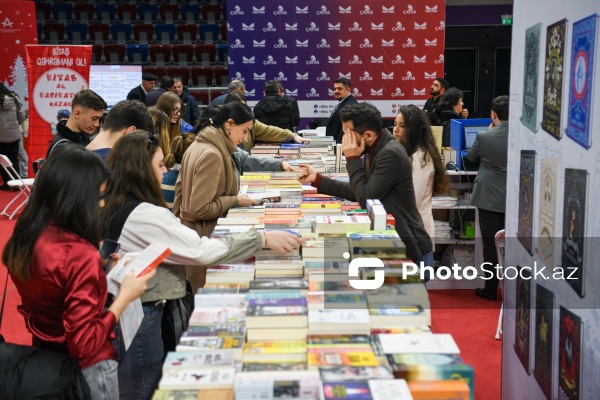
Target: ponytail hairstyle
[(237, 111), (418, 135)]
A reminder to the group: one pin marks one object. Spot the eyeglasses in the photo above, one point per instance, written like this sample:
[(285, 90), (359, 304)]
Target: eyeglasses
[(177, 112)]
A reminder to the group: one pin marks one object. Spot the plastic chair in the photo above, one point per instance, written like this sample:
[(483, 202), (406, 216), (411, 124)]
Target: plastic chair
[(148, 13), (223, 31), (223, 54), (121, 33), (62, 12), (158, 71), (160, 54), (137, 54), (182, 72), (221, 76), (143, 33), (105, 12), (169, 13), (43, 11), (500, 240), (165, 33), (183, 54), (99, 33), (211, 12), (202, 76), (77, 32), (206, 54), (201, 97), (127, 13), (190, 13), (209, 33), (83, 12), (54, 32), (187, 33), (97, 57), (114, 53), (15, 182)]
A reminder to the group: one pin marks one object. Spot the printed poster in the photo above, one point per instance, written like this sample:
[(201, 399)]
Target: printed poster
[(527, 187), (530, 81), (523, 320), (569, 361), (553, 78), (582, 73), (544, 314), (546, 243), (573, 238)]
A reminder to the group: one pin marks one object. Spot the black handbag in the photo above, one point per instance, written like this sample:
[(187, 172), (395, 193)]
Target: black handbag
[(30, 373)]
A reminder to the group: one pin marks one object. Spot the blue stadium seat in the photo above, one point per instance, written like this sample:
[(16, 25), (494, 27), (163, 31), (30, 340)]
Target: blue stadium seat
[(209, 33), (54, 32), (164, 33), (62, 12), (148, 13), (121, 33), (77, 32), (105, 12), (223, 54), (189, 13), (137, 54)]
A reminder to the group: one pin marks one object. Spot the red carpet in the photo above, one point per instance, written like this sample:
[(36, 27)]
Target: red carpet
[(471, 321)]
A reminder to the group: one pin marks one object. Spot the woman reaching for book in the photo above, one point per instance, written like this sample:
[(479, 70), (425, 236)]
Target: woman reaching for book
[(136, 215)]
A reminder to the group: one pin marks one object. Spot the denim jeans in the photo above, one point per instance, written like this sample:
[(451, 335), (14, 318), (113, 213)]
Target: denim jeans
[(428, 261), (140, 366), (103, 380)]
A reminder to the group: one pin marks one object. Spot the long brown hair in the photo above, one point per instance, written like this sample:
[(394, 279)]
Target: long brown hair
[(162, 127), (166, 102), (130, 161), (418, 135)]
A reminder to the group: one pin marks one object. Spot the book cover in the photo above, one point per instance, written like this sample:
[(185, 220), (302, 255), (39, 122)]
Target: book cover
[(204, 360), (399, 362), (332, 340), (276, 303), (273, 367), (546, 243), (526, 191), (215, 330), (352, 359), (273, 294), (279, 284), (209, 343), (581, 79), (531, 76), (544, 328), (385, 389), (276, 311), (347, 391), (336, 374), (523, 320), (215, 394), (185, 380), (569, 362), (573, 235), (336, 316), (218, 315), (276, 347), (278, 386), (440, 390), (417, 343), (160, 394), (553, 78)]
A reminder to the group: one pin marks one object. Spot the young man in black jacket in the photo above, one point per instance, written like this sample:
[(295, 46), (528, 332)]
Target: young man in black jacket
[(273, 109)]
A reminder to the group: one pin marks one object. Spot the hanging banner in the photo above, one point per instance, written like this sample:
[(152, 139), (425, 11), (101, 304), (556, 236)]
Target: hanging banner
[(391, 50), (56, 74), (17, 29)]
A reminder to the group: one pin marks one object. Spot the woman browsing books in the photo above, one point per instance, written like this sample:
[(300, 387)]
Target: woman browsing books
[(52, 257), (136, 215)]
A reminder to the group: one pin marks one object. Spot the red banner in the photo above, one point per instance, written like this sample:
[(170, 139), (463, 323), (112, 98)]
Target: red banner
[(56, 74), (17, 29)]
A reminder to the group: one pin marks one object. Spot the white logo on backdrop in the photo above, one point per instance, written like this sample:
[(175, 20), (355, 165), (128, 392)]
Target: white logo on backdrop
[(250, 60), (292, 93), (250, 93), (236, 11), (398, 93), (421, 27), (270, 61), (409, 43), (355, 27), (237, 45), (365, 11), (256, 10), (433, 9), (312, 27), (408, 77), (356, 93), (280, 11), (330, 92), (256, 43), (387, 10), (431, 43), (323, 44), (430, 75), (386, 43), (355, 60), (260, 77), (270, 28), (229, 61), (346, 10), (312, 60), (418, 92), (301, 77), (280, 77), (387, 76), (280, 44), (398, 60), (229, 28), (333, 27), (334, 60), (366, 77), (247, 27), (420, 59), (376, 60), (440, 59), (293, 27), (376, 92), (409, 10), (323, 11), (441, 26), (345, 44), (365, 44), (375, 27), (300, 43), (347, 76), (323, 77), (291, 60), (313, 93), (301, 10), (238, 76), (398, 27)]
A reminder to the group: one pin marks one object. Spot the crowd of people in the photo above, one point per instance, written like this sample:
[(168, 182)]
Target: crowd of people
[(159, 172)]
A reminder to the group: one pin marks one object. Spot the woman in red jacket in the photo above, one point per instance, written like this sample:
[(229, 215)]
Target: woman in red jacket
[(52, 257)]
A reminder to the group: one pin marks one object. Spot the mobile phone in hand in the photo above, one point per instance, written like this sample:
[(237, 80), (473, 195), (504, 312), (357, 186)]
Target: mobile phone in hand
[(108, 247)]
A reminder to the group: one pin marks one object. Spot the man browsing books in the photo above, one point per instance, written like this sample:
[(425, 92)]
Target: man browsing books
[(384, 174)]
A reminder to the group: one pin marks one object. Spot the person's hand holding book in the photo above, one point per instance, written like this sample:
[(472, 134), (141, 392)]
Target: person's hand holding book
[(281, 241)]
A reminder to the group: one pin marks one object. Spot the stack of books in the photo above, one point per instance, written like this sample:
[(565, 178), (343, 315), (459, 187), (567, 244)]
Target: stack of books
[(385, 245)]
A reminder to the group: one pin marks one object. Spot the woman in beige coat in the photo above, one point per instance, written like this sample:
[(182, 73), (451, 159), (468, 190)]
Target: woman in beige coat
[(207, 185)]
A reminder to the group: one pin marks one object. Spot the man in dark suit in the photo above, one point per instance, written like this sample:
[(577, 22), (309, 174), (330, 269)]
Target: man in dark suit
[(384, 174), (489, 194), (139, 92), (342, 91), (295, 108)]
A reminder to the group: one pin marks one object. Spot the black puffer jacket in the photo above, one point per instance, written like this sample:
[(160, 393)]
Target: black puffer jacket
[(192, 112), (443, 118), (276, 111)]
